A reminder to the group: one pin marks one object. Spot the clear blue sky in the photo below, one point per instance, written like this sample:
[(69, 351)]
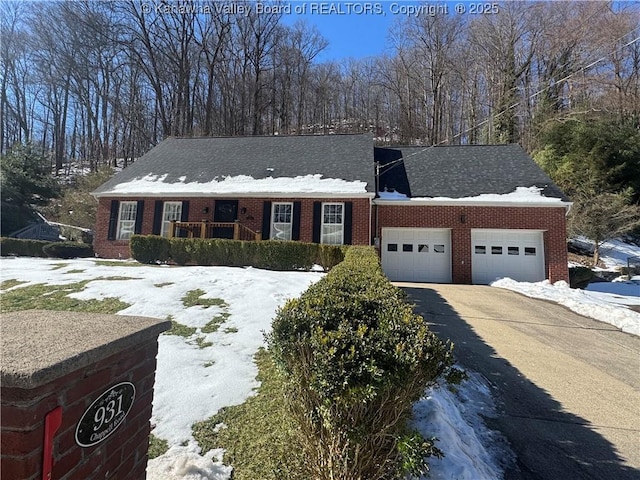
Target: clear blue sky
[(354, 29), (359, 28)]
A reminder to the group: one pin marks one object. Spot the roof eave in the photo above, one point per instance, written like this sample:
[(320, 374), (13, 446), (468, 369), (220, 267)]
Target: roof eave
[(470, 203), (234, 194)]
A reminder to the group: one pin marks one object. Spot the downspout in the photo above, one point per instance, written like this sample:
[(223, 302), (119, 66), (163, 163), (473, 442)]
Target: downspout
[(371, 206), (568, 208), (375, 206)]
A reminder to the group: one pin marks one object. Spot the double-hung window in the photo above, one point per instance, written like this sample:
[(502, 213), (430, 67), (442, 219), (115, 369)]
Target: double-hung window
[(281, 221), (332, 223), (172, 211), (126, 220)]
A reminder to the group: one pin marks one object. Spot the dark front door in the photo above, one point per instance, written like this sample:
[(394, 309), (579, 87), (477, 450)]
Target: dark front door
[(225, 211)]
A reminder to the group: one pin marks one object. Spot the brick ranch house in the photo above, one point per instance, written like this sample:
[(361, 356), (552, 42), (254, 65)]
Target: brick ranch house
[(460, 214)]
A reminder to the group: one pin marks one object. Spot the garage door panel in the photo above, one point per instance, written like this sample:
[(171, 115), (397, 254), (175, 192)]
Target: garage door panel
[(416, 255), (507, 253)]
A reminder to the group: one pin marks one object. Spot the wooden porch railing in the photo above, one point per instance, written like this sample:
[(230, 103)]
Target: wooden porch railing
[(205, 229)]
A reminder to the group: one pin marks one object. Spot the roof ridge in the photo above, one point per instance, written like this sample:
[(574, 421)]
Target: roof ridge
[(223, 137), (453, 146)]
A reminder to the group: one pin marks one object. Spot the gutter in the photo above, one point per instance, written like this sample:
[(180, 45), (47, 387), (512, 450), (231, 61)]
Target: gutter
[(469, 203), (369, 195)]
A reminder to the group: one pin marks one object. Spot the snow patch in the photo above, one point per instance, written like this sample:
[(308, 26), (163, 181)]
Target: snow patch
[(392, 195), (472, 451), (241, 184), (519, 195), (582, 302), (613, 253), (186, 463)]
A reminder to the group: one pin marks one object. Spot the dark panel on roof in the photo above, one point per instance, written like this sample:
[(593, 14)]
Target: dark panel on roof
[(347, 157), (459, 171), (393, 176)]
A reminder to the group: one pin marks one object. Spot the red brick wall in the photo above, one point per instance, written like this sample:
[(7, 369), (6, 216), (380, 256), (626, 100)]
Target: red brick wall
[(123, 455), (251, 219), (551, 220)]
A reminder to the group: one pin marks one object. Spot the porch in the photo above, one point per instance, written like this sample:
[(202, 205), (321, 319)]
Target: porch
[(207, 229)]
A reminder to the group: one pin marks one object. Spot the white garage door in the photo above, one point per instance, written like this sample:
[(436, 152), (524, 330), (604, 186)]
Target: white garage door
[(416, 254), (517, 254)]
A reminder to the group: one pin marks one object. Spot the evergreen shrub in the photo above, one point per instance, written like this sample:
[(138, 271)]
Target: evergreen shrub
[(270, 254), (580, 277), (150, 248), (355, 358), (68, 250), (23, 247), (179, 250)]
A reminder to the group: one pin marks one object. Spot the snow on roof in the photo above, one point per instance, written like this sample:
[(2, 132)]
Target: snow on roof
[(392, 196), (241, 184), (519, 195)]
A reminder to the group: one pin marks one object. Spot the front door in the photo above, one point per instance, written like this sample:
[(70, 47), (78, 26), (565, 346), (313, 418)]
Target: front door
[(225, 211)]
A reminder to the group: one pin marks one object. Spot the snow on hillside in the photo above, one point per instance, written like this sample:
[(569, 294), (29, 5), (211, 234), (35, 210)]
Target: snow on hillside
[(194, 380), (614, 253)]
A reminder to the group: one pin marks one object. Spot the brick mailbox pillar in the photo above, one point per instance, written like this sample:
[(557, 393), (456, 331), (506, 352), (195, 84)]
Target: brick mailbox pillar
[(76, 395)]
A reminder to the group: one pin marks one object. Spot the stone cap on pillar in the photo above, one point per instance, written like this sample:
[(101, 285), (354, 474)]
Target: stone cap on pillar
[(38, 346)]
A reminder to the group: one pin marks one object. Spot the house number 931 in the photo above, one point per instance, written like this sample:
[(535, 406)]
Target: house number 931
[(105, 414)]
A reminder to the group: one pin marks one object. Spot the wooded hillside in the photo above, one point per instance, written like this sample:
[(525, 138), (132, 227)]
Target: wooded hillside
[(94, 81)]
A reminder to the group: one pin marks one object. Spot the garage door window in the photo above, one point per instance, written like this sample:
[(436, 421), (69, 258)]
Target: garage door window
[(481, 250), (438, 248), (530, 251), (392, 247), (407, 247), (423, 248), (513, 251), (496, 250)]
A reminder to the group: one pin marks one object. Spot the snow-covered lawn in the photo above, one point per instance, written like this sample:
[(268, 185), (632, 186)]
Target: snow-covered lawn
[(193, 380), (613, 253)]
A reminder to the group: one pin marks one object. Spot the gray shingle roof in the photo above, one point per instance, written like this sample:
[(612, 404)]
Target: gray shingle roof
[(461, 171), (346, 157)]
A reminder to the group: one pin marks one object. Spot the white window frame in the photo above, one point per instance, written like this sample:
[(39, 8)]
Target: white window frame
[(127, 214), (281, 230), (326, 228), (166, 220)]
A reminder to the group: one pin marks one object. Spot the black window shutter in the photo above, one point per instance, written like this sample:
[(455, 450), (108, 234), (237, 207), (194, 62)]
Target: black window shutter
[(295, 233), (348, 222), (266, 220), (317, 221), (157, 217), (139, 214), (113, 219), (184, 216)]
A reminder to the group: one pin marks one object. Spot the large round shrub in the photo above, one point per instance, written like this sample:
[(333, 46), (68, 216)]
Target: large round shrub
[(356, 358)]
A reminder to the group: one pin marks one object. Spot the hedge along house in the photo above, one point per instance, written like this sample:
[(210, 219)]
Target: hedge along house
[(461, 214)]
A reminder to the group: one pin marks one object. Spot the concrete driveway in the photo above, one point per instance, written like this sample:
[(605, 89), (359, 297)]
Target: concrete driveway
[(567, 387)]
